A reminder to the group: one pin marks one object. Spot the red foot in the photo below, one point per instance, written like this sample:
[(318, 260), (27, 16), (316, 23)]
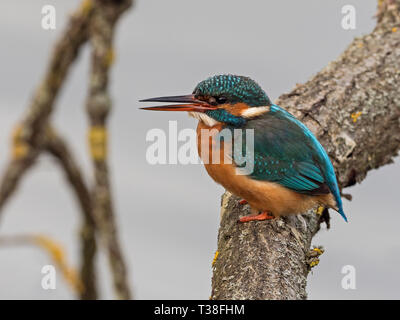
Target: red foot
[(259, 217), (243, 201)]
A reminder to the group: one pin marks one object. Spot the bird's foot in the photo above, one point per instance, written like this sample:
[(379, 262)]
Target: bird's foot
[(259, 217), (313, 257), (243, 202), (323, 216)]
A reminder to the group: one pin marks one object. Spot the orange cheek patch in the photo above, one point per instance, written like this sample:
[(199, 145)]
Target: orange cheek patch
[(235, 109)]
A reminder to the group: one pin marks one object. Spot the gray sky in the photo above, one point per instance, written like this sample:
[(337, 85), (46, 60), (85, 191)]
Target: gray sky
[(169, 215)]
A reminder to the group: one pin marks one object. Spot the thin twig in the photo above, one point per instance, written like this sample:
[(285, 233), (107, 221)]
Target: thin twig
[(55, 251), (98, 106)]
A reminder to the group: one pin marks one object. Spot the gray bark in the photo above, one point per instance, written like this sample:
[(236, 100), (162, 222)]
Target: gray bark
[(268, 259)]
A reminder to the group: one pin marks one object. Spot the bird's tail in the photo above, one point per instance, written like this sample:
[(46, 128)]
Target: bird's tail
[(336, 194), (341, 212), (339, 208)]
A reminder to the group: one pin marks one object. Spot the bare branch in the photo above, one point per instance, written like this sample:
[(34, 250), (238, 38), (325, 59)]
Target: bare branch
[(98, 106), (353, 107), (54, 249), (28, 135), (57, 147)]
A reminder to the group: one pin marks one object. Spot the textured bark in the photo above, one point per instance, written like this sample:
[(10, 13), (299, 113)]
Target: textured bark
[(59, 149), (28, 136), (98, 107), (95, 20), (353, 107), (31, 138)]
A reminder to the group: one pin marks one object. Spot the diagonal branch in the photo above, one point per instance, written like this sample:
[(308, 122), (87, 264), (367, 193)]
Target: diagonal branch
[(353, 107), (57, 147), (95, 19), (28, 135), (54, 249), (31, 136)]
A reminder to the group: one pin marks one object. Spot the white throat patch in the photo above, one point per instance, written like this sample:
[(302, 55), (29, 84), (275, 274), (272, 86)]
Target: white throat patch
[(208, 121), (254, 112)]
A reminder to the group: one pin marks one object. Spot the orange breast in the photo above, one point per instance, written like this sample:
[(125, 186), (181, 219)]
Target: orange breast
[(261, 195)]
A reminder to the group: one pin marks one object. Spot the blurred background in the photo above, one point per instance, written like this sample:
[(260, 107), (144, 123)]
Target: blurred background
[(168, 215)]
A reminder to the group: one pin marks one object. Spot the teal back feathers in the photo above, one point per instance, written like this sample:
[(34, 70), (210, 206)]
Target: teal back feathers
[(287, 152)]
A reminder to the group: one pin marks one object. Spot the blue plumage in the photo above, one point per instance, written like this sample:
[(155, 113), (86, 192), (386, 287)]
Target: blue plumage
[(225, 117), (234, 89), (287, 152)]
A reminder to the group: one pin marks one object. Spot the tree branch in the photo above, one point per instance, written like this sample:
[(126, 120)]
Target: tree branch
[(353, 107), (28, 136), (98, 106), (57, 147), (31, 136)]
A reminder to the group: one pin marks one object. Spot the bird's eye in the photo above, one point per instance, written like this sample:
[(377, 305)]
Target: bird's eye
[(220, 100), (212, 101)]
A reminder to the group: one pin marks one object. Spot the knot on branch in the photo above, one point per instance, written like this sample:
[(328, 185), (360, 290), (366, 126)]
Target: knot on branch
[(98, 106)]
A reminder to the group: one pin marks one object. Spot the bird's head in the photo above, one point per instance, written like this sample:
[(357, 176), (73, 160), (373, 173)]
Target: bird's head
[(229, 99)]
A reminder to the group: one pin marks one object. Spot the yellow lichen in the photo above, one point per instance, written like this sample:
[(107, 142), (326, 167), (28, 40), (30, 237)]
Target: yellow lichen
[(19, 147), (314, 263), (355, 116), (215, 257), (318, 250), (57, 253), (110, 57), (86, 6), (98, 142), (19, 151)]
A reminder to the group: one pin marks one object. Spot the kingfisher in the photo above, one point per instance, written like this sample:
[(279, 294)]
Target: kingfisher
[(291, 171)]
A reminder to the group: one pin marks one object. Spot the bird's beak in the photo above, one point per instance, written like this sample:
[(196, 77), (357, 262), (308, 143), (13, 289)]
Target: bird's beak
[(186, 103)]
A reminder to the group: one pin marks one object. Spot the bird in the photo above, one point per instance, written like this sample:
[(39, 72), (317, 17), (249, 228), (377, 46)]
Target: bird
[(291, 171)]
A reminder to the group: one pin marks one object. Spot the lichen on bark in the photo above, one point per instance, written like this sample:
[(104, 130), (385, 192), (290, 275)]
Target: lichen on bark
[(353, 107)]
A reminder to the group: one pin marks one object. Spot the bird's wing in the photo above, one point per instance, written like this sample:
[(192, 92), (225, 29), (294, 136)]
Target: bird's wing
[(285, 153)]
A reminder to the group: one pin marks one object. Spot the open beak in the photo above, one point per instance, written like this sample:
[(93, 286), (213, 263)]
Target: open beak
[(185, 103)]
